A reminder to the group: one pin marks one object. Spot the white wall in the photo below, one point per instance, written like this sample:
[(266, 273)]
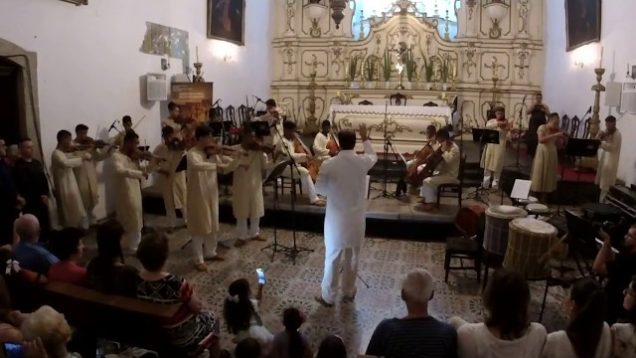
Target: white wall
[(90, 66), (567, 89)]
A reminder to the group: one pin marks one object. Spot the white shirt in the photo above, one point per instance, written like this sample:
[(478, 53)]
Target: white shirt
[(624, 340), (450, 166), (320, 145), (558, 345), (287, 146), (474, 340)]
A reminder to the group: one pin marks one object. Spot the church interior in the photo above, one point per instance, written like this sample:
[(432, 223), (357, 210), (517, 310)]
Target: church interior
[(317, 178)]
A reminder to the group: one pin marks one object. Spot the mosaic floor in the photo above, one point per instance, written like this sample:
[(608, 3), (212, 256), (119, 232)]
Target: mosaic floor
[(383, 264)]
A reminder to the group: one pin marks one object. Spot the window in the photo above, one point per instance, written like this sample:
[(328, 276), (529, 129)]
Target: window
[(442, 12)]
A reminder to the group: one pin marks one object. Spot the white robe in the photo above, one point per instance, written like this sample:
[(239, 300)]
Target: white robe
[(608, 165), (247, 184), (320, 147), (128, 205), (86, 175), (203, 193), (173, 186), (67, 192), (342, 180), (495, 154)]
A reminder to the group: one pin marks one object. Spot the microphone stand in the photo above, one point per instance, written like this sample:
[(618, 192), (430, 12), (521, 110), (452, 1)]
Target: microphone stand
[(523, 105)]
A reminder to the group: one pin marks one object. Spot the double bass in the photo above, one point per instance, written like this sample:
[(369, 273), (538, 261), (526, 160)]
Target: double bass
[(311, 165), (420, 158), (431, 163)]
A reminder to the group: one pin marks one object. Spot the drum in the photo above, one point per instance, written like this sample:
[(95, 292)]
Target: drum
[(497, 220), (537, 209), (529, 248)]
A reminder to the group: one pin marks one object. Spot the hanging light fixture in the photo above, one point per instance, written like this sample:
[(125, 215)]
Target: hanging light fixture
[(337, 8)]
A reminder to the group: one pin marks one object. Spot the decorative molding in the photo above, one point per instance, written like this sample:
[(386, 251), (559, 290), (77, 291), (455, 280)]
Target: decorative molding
[(523, 13)]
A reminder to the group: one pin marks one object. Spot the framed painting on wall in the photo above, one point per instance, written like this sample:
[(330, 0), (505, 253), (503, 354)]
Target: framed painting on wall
[(226, 20), (582, 22)]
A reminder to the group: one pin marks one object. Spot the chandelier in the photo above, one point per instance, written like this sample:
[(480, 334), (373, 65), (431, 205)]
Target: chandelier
[(337, 8)]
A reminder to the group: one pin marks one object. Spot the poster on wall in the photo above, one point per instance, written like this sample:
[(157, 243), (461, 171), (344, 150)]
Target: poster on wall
[(583, 22), (194, 99), (226, 20)]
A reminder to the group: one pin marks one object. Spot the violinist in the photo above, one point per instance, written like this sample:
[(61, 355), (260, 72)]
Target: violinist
[(174, 119), (63, 160), (538, 113), (86, 174), (446, 171), (128, 176), (325, 144), (494, 156), (287, 146), (546, 160), (610, 153), (126, 122), (167, 157)]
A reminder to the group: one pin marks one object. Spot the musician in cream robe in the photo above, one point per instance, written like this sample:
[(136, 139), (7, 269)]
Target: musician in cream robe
[(494, 156), (86, 174), (128, 205), (610, 155), (431, 133), (172, 183), (283, 149), (71, 208), (342, 180), (446, 172), (321, 140)]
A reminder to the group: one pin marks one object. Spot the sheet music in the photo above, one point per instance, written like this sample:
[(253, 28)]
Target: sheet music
[(521, 189)]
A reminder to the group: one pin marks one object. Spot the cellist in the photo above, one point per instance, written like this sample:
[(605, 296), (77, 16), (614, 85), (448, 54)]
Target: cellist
[(446, 172), (413, 166), (325, 145)]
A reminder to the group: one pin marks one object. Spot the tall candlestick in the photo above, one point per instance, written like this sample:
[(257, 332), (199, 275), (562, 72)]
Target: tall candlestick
[(197, 53)]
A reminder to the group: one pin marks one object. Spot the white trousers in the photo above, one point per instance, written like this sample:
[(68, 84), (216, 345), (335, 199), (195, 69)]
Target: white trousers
[(335, 258), (242, 231), (132, 240), (488, 174), (305, 181), (203, 246), (428, 191)]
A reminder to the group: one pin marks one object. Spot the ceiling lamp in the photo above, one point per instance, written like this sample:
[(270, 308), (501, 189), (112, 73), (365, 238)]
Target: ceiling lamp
[(496, 10), (337, 8)]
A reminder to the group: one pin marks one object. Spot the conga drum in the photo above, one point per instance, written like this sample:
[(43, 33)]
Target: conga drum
[(497, 219), (528, 252)]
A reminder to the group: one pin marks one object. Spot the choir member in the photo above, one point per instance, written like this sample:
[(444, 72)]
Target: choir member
[(321, 141), (172, 183), (342, 180), (10, 201), (33, 185), (286, 146), (69, 200), (495, 154), (173, 120), (610, 154), (128, 176), (203, 198), (538, 113), (86, 174), (446, 172), (546, 160)]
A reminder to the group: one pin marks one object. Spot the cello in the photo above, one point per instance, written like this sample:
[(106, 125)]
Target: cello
[(311, 164)]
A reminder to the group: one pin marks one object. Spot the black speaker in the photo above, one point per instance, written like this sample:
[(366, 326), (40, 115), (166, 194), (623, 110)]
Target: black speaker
[(575, 193)]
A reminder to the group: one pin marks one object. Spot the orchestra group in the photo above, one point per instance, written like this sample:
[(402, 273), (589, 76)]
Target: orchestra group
[(189, 159)]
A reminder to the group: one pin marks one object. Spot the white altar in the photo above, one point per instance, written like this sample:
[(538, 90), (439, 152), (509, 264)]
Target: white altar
[(405, 125)]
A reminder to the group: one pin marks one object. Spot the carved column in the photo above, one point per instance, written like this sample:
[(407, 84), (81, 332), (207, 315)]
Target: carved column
[(290, 18), (471, 16)]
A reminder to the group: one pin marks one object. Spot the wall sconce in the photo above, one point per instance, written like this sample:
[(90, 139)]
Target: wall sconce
[(337, 8), (224, 51), (496, 10), (316, 12)]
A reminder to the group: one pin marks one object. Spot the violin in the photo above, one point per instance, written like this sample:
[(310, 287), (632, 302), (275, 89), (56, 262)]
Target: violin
[(143, 155), (89, 143), (256, 146), (177, 144)]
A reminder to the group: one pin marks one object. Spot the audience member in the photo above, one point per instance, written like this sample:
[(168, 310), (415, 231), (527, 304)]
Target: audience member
[(624, 332), (192, 329), (291, 343), (240, 312), (107, 272), (418, 334), (248, 348), (51, 328), (332, 347), (10, 201), (507, 331), (29, 252), (9, 320), (618, 268), (586, 335), (67, 245)]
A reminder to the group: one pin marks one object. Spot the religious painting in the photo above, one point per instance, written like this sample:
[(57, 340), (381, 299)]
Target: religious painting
[(583, 22), (194, 100), (226, 20)]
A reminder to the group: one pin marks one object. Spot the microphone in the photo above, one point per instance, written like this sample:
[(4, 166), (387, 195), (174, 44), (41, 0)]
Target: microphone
[(112, 126), (258, 99), (218, 101), (589, 110)]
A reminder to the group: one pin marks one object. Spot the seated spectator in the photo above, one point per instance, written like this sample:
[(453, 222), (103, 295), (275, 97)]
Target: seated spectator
[(51, 329), (332, 347), (240, 312), (291, 343), (587, 334), (29, 252), (418, 334), (192, 329), (9, 331), (624, 332), (618, 269), (248, 348), (107, 272), (507, 331), (67, 245)]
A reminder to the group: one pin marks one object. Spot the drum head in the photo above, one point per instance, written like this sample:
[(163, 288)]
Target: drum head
[(533, 226), (506, 212), (537, 208)]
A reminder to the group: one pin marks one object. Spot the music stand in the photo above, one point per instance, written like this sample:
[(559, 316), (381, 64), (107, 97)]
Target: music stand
[(483, 136), (272, 178)]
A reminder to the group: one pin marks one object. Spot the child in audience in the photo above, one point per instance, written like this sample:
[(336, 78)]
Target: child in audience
[(587, 335), (332, 347), (240, 312), (291, 343), (248, 348), (192, 329), (67, 245), (507, 331), (624, 332)]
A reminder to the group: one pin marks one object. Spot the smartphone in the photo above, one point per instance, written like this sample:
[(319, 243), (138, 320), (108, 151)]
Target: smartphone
[(13, 350), (260, 274)]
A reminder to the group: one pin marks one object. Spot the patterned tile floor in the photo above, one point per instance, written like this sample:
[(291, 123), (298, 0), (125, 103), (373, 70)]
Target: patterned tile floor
[(383, 264)]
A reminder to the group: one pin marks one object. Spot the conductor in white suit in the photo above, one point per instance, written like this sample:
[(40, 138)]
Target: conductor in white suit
[(610, 155), (342, 180)]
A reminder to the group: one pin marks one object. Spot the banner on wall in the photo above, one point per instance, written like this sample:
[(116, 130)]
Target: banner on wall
[(194, 99)]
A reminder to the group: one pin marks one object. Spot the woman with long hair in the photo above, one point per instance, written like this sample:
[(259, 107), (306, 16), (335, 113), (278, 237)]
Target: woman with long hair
[(624, 332), (240, 312), (586, 335), (546, 161), (291, 343), (507, 331), (332, 347)]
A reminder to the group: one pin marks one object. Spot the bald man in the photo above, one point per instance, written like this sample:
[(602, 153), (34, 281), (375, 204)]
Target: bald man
[(29, 252)]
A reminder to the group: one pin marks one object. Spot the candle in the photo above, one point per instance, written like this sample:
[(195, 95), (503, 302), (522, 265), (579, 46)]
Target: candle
[(197, 53), (600, 63)]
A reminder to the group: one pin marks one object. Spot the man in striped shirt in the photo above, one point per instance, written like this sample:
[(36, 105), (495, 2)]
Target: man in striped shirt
[(418, 334)]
